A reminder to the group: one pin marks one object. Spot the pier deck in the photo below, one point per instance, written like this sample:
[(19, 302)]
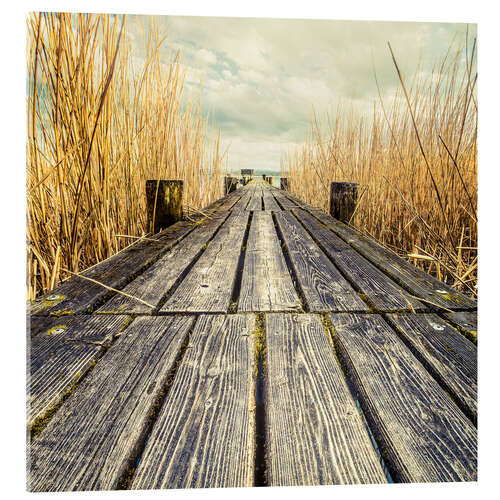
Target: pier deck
[(260, 343)]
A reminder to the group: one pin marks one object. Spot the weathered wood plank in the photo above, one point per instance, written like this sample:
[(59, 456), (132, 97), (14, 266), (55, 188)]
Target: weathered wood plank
[(324, 288), (269, 201), (208, 286), (424, 435), (60, 354), (315, 432), (241, 204), (79, 295), (89, 443), (152, 285), (448, 355), (285, 201), (466, 321), (255, 202), (416, 281), (377, 287), (266, 283), (204, 434)]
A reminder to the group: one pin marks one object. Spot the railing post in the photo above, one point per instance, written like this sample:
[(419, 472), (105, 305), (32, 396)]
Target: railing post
[(164, 203), (284, 183), (343, 200)]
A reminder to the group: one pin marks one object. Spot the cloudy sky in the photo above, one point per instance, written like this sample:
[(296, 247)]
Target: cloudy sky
[(262, 78)]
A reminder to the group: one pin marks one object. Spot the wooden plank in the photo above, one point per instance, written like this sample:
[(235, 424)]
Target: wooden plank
[(380, 291), (269, 201), (448, 355), (204, 434), (315, 432), (466, 321), (89, 443), (60, 354), (266, 283), (78, 295), (242, 203), (423, 434), (255, 202), (323, 286), (416, 281), (208, 286), (152, 285), (284, 200)]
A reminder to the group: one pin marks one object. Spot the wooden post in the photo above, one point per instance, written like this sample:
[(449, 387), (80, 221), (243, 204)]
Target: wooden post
[(229, 184), (343, 199), (264, 176), (164, 203), (284, 183)]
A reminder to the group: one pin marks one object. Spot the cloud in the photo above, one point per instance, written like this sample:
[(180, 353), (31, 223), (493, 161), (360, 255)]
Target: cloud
[(262, 78)]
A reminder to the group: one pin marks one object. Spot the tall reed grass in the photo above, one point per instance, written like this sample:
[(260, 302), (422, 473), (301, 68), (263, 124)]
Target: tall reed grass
[(415, 160), (104, 114)]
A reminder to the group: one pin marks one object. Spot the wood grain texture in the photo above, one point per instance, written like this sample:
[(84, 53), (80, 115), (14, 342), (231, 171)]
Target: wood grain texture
[(284, 200), (241, 204), (315, 432), (152, 285), (255, 202), (448, 355), (269, 201), (60, 354), (88, 444), (416, 281), (383, 293), (324, 288), (266, 283), (208, 286), (466, 321), (204, 434), (424, 435)]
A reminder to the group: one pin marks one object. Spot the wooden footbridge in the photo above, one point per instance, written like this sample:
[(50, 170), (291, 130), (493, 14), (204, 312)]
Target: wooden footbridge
[(261, 343)]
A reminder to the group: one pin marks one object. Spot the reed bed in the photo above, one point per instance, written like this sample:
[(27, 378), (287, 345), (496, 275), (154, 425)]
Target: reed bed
[(415, 160), (104, 113)]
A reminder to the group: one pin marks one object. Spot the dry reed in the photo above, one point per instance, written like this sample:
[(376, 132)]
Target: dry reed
[(416, 163), (102, 117)]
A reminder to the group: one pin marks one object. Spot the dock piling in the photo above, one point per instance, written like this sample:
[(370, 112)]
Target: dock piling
[(164, 203), (343, 200)]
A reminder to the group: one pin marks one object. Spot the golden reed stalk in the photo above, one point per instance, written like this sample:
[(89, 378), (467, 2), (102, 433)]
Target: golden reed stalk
[(415, 162), (102, 118)]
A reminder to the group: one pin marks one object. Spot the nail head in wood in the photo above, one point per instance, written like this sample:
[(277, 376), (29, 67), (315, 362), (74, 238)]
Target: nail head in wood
[(343, 200), (164, 203)]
